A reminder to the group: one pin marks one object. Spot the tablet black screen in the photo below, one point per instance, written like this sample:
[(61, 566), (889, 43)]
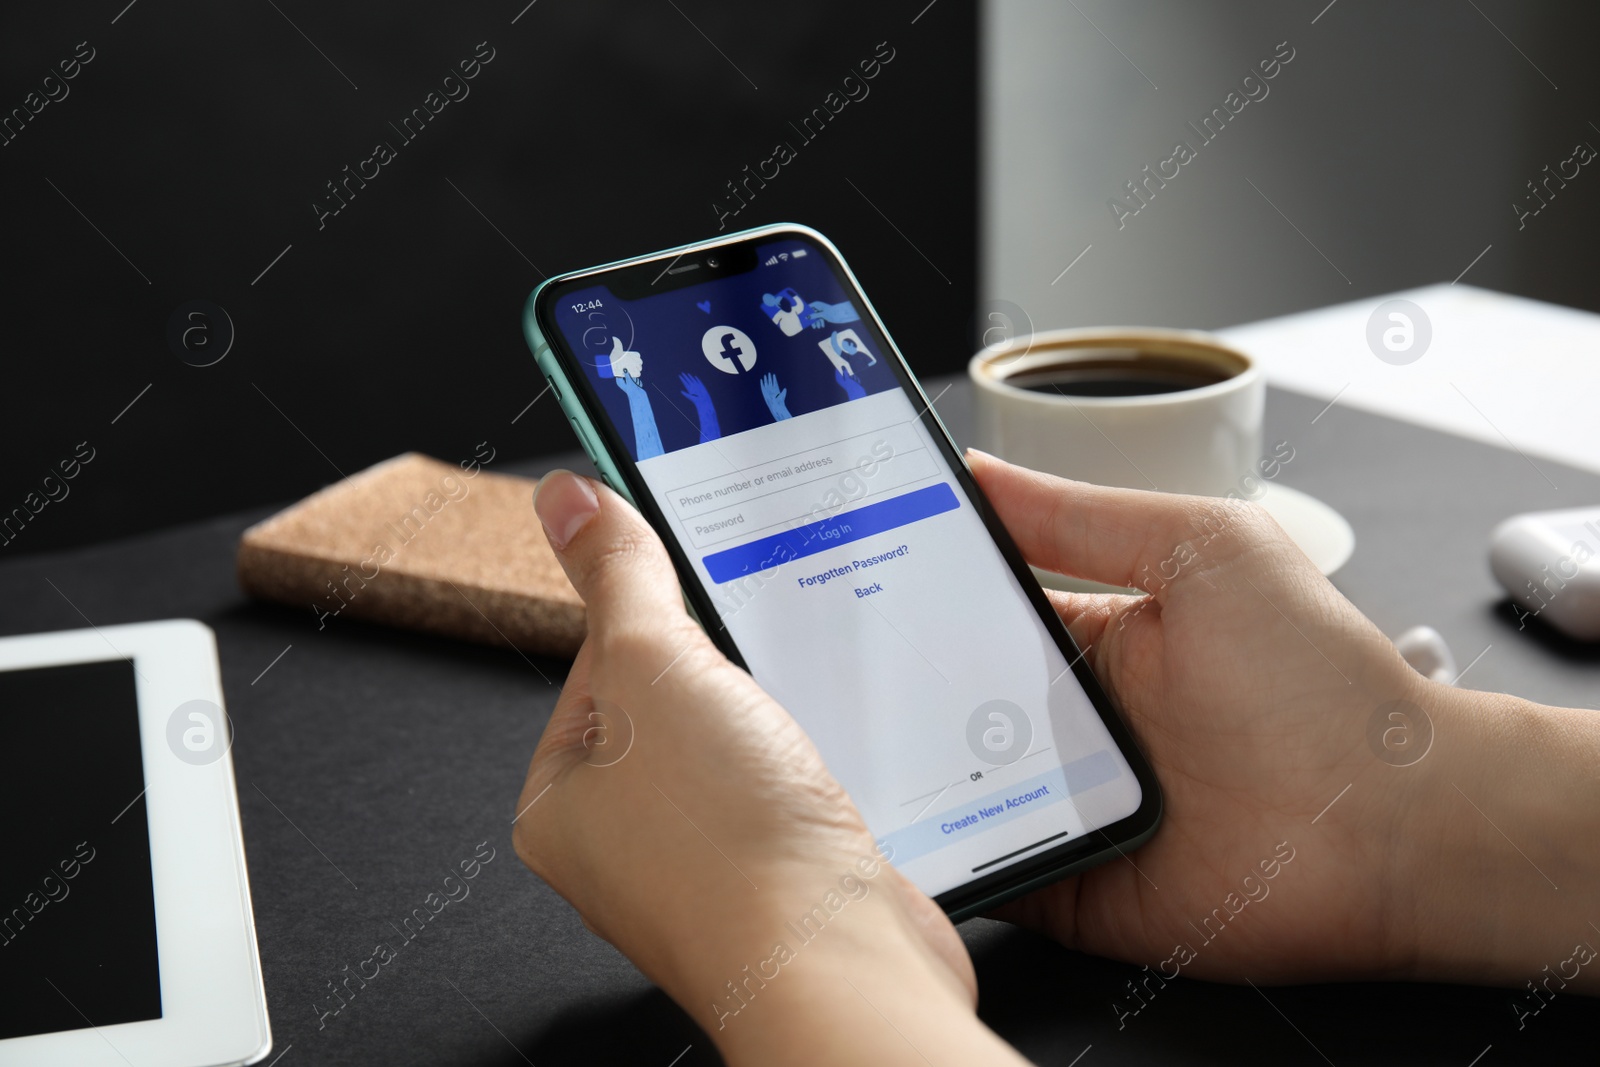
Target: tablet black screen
[(77, 905)]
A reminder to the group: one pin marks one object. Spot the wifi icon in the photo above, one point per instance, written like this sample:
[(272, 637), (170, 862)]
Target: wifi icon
[(783, 256)]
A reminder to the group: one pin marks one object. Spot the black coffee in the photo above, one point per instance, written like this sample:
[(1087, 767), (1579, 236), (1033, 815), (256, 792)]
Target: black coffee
[(1144, 375)]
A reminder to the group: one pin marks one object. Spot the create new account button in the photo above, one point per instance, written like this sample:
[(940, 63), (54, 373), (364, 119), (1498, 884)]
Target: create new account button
[(767, 552), (981, 814), (989, 811)]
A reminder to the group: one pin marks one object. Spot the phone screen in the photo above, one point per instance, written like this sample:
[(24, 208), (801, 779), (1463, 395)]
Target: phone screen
[(790, 456)]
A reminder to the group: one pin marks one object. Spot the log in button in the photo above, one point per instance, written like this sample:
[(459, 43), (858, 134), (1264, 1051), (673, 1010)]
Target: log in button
[(797, 543)]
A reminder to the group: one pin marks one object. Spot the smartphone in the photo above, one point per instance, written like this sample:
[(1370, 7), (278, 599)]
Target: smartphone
[(743, 394)]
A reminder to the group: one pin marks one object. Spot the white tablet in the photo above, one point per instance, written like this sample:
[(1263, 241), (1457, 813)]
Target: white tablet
[(126, 937)]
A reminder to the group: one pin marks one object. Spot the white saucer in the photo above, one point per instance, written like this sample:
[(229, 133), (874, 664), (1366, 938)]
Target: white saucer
[(1321, 532)]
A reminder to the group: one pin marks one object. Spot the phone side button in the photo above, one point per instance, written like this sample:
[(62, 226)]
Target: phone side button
[(592, 449), (583, 439)]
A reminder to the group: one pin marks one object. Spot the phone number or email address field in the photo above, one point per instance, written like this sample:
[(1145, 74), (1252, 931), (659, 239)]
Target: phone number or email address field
[(807, 486)]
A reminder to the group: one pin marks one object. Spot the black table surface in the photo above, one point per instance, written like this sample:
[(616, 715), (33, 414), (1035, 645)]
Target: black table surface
[(371, 761)]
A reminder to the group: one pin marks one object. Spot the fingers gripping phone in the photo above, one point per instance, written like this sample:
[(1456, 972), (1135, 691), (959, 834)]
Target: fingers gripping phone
[(745, 396)]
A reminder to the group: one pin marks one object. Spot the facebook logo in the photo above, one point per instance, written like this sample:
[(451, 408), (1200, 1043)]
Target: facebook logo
[(728, 349)]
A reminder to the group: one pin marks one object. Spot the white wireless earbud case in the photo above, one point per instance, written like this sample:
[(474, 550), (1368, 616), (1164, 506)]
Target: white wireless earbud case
[(1549, 561)]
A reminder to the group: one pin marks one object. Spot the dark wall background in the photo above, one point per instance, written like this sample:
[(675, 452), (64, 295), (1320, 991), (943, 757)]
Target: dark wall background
[(187, 154)]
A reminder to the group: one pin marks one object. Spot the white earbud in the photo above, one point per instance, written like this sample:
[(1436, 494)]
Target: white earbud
[(1425, 650)]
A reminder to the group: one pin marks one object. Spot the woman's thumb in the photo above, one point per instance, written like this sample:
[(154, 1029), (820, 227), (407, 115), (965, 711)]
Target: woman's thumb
[(612, 557)]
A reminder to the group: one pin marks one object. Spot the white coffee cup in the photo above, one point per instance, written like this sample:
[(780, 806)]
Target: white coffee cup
[(1202, 437)]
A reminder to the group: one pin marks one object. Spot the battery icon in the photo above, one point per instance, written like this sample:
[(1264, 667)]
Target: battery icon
[(797, 253)]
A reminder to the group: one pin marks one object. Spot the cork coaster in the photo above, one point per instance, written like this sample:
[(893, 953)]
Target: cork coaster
[(421, 545)]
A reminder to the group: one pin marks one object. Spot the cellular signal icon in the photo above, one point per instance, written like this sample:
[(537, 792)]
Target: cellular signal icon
[(772, 261)]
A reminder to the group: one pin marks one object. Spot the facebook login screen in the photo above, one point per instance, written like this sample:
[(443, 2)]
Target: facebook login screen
[(848, 565)]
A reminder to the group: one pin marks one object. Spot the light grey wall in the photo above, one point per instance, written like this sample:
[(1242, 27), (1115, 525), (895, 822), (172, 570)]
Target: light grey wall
[(1396, 141)]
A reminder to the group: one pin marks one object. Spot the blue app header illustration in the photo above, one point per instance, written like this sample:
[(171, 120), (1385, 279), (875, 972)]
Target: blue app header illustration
[(690, 365)]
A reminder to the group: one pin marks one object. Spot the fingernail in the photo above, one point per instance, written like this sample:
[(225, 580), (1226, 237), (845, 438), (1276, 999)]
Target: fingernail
[(977, 453), (564, 503)]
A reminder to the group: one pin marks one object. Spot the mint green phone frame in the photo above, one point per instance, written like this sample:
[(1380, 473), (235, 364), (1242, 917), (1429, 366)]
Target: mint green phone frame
[(984, 893)]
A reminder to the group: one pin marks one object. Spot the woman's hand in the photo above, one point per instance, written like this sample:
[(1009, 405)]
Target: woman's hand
[(692, 824), (1313, 828)]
